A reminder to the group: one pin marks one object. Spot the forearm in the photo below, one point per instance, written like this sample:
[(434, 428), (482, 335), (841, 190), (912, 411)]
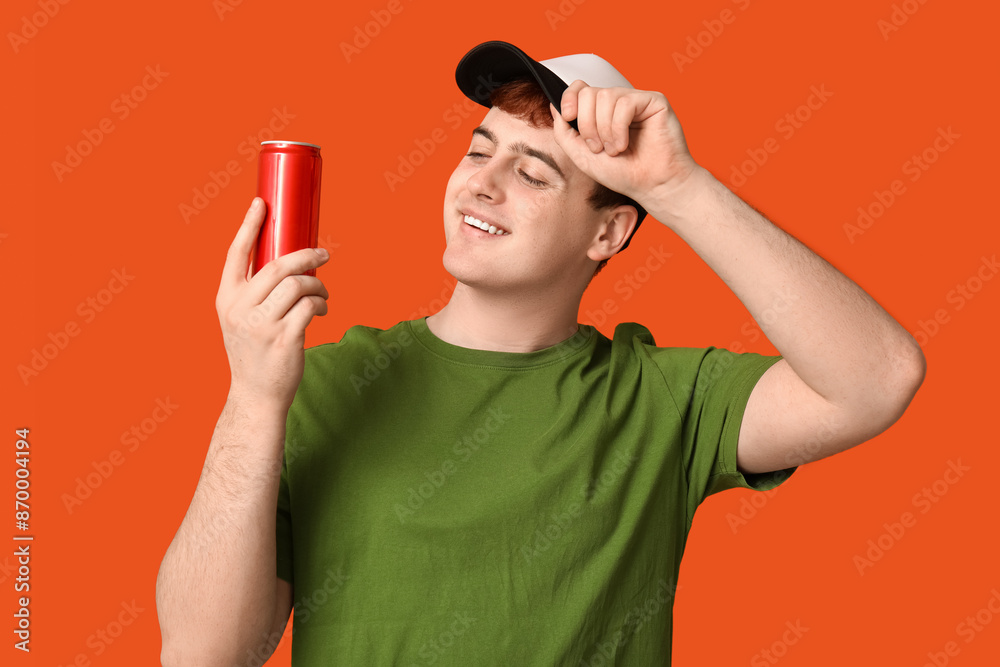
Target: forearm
[(835, 337), (215, 592)]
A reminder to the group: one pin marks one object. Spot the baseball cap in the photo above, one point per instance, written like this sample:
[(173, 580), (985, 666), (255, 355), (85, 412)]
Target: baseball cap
[(489, 65)]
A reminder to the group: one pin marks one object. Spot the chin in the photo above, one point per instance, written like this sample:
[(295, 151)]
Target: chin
[(473, 272), (464, 269)]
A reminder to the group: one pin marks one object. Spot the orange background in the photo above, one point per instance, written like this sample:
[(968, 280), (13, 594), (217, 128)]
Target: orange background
[(158, 338)]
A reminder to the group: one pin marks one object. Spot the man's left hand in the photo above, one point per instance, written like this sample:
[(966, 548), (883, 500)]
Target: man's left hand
[(630, 140)]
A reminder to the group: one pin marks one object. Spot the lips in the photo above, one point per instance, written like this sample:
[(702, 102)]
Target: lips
[(488, 227)]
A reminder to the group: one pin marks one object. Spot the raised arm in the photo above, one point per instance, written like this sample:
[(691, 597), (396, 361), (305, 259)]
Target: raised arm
[(848, 371)]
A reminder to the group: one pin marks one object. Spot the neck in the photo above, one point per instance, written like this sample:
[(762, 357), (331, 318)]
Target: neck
[(481, 320)]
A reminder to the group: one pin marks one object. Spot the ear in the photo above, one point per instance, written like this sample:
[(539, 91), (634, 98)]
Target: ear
[(615, 228)]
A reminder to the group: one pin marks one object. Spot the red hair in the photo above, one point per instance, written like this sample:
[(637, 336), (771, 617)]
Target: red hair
[(524, 99)]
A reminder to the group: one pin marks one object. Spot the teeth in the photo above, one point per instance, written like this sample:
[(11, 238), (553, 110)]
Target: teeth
[(485, 226)]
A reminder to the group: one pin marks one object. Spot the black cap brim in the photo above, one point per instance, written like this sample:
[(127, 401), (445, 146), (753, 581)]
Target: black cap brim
[(491, 64)]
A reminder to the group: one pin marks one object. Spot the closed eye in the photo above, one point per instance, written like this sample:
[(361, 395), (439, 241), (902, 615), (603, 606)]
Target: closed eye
[(533, 181), (529, 179)]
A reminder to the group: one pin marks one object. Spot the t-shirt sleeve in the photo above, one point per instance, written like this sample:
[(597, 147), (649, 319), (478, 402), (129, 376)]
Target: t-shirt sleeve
[(283, 525), (723, 386), (710, 388)]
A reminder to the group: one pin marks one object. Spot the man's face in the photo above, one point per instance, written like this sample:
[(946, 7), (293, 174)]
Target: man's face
[(521, 182)]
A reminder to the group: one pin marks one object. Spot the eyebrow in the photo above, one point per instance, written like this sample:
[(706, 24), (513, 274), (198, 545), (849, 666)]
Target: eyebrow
[(522, 148)]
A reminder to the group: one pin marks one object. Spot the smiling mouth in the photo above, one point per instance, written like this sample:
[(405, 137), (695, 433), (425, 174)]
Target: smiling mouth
[(485, 226)]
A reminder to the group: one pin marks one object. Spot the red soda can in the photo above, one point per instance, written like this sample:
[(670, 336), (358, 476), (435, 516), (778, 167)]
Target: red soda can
[(288, 180)]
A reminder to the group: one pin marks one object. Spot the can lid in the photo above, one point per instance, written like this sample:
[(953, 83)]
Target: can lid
[(297, 143)]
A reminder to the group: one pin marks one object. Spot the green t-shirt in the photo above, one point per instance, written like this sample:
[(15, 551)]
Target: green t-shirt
[(447, 506)]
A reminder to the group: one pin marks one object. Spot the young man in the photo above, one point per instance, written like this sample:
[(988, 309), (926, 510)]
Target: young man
[(496, 484)]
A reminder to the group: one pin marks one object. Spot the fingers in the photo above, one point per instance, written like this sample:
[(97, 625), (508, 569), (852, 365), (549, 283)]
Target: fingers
[(285, 297), (568, 102), (238, 258), (302, 312), (570, 140), (281, 315), (586, 119), (621, 121), (603, 115), (275, 271)]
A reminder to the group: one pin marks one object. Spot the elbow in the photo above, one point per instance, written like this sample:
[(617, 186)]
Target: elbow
[(911, 368), (897, 385)]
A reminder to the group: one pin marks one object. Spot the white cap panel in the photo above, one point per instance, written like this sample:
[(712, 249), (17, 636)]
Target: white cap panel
[(592, 69)]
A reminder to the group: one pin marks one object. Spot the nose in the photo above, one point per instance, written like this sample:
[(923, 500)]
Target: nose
[(486, 181)]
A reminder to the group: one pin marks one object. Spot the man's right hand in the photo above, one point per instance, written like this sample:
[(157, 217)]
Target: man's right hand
[(264, 317)]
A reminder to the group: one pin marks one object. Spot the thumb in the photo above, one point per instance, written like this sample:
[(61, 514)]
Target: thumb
[(570, 141)]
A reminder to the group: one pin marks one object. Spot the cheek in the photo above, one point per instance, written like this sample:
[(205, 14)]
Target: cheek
[(537, 208), (451, 190), (453, 181)]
